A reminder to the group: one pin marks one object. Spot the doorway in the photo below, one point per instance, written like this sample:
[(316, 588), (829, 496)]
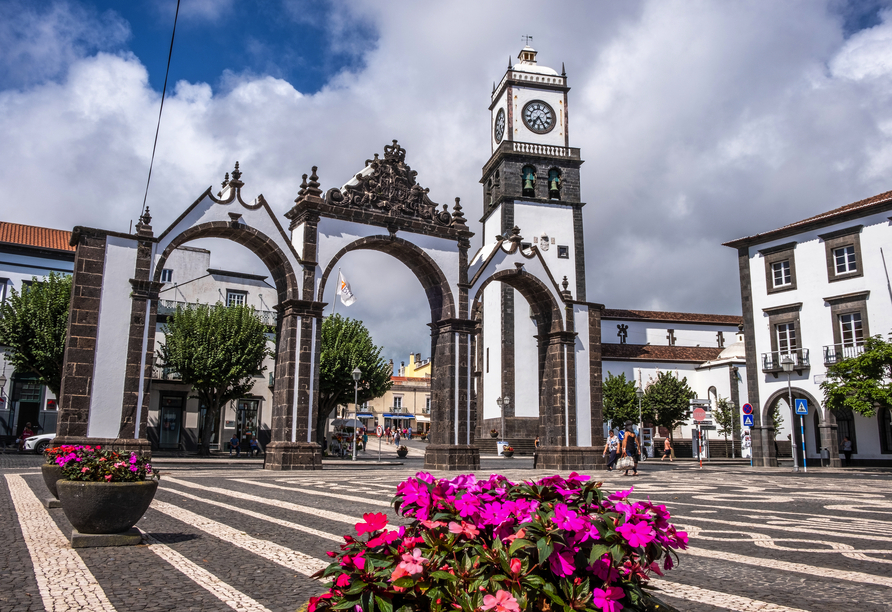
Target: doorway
[(26, 394), (246, 421), (171, 421)]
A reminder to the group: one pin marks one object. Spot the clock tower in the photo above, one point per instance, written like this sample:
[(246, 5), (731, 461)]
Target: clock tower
[(531, 181)]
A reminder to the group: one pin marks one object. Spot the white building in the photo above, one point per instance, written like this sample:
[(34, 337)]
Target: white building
[(175, 416), (812, 291), (28, 252)]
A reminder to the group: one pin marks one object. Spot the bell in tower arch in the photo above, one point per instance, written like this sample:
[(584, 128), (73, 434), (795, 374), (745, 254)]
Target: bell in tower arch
[(554, 184), (529, 182)]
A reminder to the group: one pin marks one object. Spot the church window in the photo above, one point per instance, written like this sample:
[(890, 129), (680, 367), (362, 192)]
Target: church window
[(554, 184), (563, 252), (529, 182), (166, 275)]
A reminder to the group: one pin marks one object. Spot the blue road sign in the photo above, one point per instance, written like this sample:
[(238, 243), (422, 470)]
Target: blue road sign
[(801, 406), (748, 420), (747, 409)]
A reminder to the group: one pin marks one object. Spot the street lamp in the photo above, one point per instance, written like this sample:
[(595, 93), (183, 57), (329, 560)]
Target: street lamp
[(357, 374), (788, 365), (502, 403)]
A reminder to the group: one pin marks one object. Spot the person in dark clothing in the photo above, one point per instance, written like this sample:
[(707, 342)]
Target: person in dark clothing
[(630, 449)]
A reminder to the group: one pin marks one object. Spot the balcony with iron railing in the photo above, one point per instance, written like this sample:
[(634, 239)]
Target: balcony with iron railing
[(168, 307), (773, 362), (834, 353), (162, 373)]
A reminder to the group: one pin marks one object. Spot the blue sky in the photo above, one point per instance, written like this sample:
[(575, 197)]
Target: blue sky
[(700, 121)]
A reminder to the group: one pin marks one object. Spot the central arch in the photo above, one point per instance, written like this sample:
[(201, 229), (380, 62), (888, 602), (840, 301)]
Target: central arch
[(826, 437)]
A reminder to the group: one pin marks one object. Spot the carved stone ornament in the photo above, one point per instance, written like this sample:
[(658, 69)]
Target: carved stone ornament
[(544, 242), (390, 189)]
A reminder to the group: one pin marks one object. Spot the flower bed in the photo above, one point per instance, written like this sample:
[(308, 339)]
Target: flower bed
[(95, 464), (493, 545)]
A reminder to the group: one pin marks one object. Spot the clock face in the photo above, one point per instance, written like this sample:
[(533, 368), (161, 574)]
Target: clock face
[(538, 116), (500, 125)]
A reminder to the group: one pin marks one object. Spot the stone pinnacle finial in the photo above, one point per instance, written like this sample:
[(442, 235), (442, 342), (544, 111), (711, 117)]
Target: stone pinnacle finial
[(313, 185), (458, 218), (236, 173), (566, 291), (144, 227), (515, 236), (225, 181), (565, 283), (303, 189), (563, 70)]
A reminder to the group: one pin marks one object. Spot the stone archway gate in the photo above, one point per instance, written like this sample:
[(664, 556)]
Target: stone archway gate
[(109, 351)]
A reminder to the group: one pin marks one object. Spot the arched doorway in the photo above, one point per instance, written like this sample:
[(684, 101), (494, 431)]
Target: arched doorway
[(819, 427)]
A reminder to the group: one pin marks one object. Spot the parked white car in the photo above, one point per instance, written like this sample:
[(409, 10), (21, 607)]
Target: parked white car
[(39, 443)]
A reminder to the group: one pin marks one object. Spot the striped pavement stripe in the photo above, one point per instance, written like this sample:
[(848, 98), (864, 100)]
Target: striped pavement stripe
[(233, 598), (64, 580), (350, 498), (715, 598)]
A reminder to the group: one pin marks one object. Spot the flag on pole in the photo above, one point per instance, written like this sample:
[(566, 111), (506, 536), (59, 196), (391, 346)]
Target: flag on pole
[(347, 297)]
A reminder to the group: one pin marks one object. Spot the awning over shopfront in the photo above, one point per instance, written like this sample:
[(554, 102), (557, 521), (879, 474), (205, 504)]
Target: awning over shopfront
[(423, 419), (365, 415), (399, 416)]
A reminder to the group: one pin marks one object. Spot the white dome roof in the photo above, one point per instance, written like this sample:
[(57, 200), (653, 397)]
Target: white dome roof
[(736, 350)]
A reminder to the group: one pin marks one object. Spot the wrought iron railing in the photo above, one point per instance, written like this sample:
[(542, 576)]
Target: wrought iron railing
[(834, 353), (773, 362), (162, 373)]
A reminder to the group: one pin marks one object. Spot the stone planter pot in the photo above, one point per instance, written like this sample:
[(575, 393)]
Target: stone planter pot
[(51, 473), (507, 453), (493, 434), (105, 507), (402, 453)]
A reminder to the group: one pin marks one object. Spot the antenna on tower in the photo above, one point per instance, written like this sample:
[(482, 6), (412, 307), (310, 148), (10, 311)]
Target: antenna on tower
[(527, 39)]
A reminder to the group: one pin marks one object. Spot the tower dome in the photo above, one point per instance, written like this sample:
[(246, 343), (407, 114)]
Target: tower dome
[(527, 57)]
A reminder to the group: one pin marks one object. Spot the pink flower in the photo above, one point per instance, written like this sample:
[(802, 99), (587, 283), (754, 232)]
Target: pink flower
[(638, 534), (465, 529), (608, 599), (385, 538), (342, 581), (620, 494), (108, 477), (373, 522), (515, 566), (503, 601), (413, 563), (314, 601), (84, 470)]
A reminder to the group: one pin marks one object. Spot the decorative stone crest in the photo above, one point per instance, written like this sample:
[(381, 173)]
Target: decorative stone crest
[(544, 242), (390, 189)]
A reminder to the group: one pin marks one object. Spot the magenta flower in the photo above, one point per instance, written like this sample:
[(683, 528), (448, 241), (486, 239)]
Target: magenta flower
[(502, 601), (620, 494), (373, 522), (467, 505), (638, 534), (608, 599), (566, 518)]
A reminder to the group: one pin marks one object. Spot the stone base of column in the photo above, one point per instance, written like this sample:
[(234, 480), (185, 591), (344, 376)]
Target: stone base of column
[(285, 456), (140, 446), (577, 458), (450, 457)]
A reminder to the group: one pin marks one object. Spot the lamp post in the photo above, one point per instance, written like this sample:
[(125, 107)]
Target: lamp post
[(787, 364), (357, 374), (502, 403)]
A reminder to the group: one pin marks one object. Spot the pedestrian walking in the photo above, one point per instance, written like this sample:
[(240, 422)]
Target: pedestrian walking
[(667, 450), (630, 449), (396, 437), (611, 448), (847, 450)]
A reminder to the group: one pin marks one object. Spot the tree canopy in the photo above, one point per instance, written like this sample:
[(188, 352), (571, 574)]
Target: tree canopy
[(34, 323), (862, 383), (219, 350), (619, 399), (667, 399), (346, 345), (726, 419)]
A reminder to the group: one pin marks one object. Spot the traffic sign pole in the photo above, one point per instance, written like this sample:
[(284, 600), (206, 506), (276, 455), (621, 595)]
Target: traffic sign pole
[(802, 435)]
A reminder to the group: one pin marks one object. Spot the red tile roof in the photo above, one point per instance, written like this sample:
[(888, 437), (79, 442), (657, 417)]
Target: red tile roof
[(674, 317), (30, 235), (855, 209), (692, 354)]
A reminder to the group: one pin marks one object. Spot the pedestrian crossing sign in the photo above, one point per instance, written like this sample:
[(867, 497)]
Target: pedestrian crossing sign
[(748, 420), (801, 406)]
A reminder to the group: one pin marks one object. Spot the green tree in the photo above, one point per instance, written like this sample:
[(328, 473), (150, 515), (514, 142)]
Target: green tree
[(219, 350), (777, 419), (619, 399), (346, 345), (34, 323), (667, 399), (725, 417), (861, 383)]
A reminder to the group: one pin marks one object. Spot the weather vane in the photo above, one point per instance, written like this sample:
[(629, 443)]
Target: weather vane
[(527, 39)]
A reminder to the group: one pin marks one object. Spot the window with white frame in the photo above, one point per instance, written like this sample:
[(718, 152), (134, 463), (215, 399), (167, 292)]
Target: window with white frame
[(235, 298), (845, 259), (780, 272), (427, 404), (397, 403), (850, 329), (166, 275), (786, 338)]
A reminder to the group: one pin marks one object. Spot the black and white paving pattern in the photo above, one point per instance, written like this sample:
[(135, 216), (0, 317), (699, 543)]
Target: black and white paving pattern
[(246, 539)]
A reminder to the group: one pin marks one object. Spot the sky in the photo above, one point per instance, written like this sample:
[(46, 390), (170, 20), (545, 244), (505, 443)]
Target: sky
[(699, 122)]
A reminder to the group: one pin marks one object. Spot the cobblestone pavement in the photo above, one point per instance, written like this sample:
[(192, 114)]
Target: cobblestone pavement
[(223, 536)]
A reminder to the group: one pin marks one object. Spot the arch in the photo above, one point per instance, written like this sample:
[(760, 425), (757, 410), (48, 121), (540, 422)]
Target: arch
[(280, 269), (528, 181), (555, 182), (813, 404), (426, 270), (545, 308)]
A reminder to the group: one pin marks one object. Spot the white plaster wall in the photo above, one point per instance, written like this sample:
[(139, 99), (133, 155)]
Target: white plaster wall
[(17, 268), (522, 133), (186, 264), (297, 238), (526, 360), (492, 340), (583, 379), (112, 337), (816, 321), (556, 220), (655, 332)]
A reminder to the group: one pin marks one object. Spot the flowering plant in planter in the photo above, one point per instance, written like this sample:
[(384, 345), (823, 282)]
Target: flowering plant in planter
[(95, 464), (507, 449), (553, 544), (50, 454), (494, 432)]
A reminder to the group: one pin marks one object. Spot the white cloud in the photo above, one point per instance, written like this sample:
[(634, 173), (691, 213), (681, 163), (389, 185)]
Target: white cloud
[(699, 122)]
